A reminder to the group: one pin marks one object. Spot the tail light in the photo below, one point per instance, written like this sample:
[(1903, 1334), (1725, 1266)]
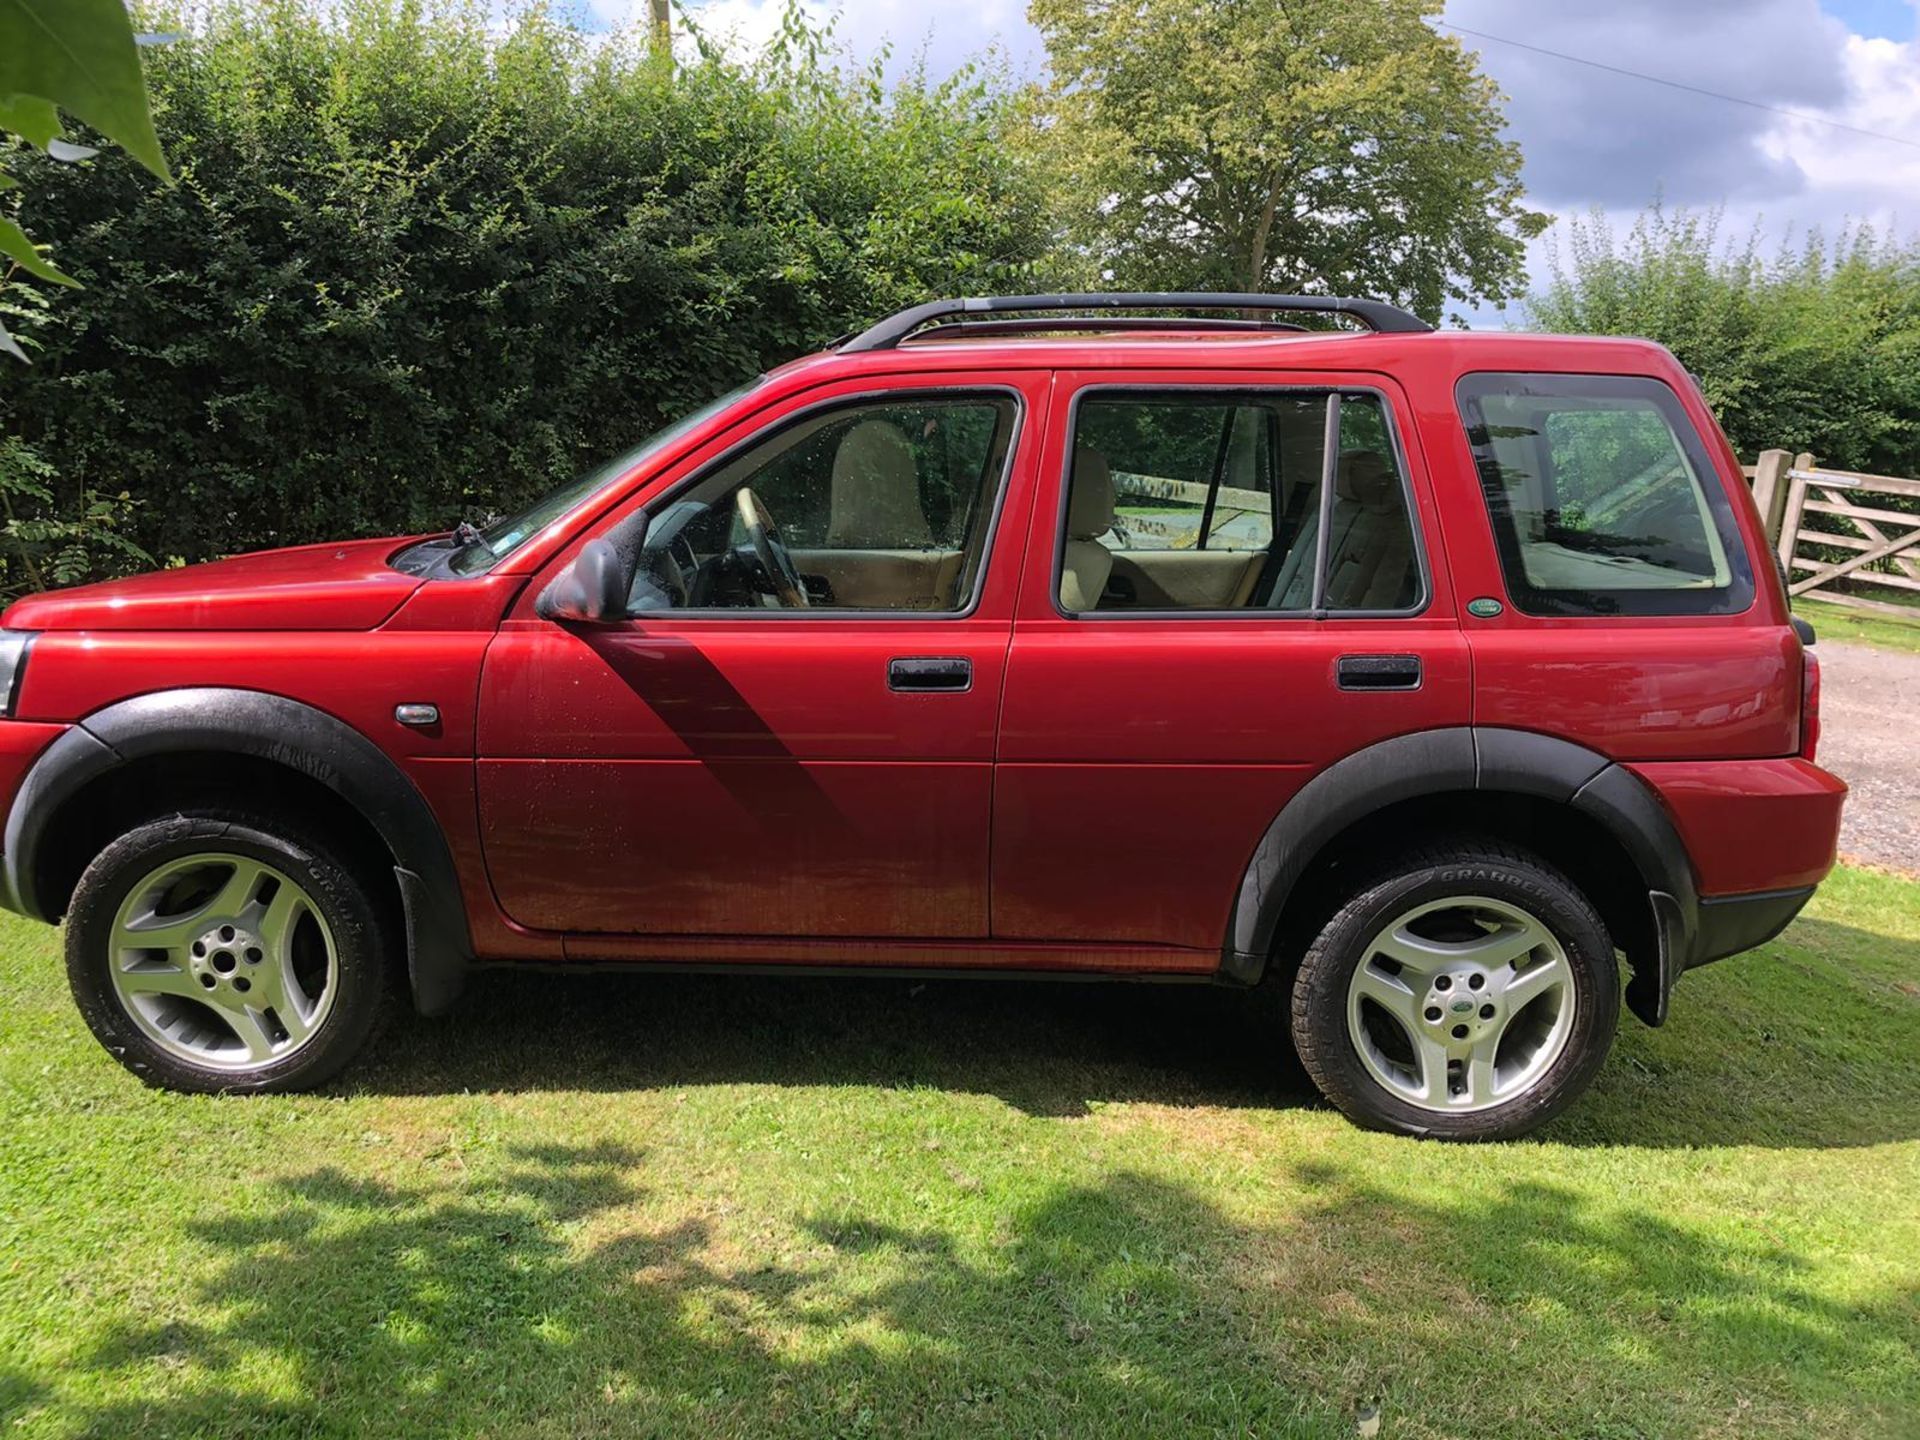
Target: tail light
[(1809, 703)]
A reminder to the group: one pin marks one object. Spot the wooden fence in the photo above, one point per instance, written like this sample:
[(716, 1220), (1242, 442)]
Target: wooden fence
[(1827, 528), (1182, 530)]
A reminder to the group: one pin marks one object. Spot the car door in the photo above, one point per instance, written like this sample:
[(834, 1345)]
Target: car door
[(720, 764), (1162, 706)]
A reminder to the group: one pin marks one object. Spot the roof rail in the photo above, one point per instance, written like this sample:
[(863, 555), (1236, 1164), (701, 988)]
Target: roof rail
[(1375, 314), (1040, 325)]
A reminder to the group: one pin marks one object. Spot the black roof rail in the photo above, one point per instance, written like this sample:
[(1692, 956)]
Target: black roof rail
[(1040, 325), (1375, 314)]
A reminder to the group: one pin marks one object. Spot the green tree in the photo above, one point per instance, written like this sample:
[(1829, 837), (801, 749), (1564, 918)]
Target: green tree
[(1330, 146), (76, 56)]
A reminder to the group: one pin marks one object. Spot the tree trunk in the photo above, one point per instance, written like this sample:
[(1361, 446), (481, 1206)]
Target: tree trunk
[(662, 32), (1262, 234)]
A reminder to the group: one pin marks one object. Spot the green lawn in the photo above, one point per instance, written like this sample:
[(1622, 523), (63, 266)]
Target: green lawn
[(1866, 627), (754, 1207)]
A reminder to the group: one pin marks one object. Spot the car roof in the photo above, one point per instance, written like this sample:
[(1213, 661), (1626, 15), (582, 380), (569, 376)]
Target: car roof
[(1448, 353)]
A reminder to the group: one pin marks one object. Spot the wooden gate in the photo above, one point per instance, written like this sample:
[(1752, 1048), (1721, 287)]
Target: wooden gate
[(1830, 529)]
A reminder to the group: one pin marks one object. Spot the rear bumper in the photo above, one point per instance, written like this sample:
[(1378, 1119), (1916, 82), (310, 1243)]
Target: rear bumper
[(1751, 826), (1759, 835), (1742, 845), (1730, 924)]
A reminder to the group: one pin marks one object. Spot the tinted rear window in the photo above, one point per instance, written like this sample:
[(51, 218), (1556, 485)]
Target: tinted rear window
[(1603, 498)]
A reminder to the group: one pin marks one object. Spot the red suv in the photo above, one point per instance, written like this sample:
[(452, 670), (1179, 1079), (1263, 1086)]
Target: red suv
[(1428, 675)]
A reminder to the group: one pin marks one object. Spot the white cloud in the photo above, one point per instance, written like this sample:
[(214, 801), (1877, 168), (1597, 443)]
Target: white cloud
[(1859, 175), (1592, 139)]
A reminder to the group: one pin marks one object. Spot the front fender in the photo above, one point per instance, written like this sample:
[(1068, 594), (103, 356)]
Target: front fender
[(284, 732)]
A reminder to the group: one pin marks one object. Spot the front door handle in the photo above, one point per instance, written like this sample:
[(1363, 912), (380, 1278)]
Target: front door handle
[(930, 674), (1378, 672)]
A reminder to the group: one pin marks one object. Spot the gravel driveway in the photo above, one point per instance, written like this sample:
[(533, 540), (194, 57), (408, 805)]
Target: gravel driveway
[(1870, 737)]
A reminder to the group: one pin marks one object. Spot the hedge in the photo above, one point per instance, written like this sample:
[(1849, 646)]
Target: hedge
[(416, 270)]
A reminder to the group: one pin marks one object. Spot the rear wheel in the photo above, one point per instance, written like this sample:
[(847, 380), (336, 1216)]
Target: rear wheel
[(226, 952), (1468, 993)]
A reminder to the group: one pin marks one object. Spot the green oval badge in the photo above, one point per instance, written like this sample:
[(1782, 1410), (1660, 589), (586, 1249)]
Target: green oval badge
[(1486, 607)]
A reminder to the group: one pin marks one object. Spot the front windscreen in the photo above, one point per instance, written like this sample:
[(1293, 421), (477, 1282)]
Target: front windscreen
[(504, 536)]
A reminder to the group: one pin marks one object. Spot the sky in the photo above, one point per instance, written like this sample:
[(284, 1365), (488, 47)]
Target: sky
[(1591, 138)]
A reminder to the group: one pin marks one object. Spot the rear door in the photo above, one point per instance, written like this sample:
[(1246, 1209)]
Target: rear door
[(1203, 626)]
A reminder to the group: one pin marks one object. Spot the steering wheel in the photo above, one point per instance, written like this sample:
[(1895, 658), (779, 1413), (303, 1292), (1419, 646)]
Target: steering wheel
[(772, 556)]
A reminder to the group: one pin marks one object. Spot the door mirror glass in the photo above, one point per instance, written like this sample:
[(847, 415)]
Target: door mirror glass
[(593, 589)]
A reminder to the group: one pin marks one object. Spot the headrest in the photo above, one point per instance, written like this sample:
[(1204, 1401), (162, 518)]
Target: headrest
[(872, 448), (1090, 495), (876, 490), (1366, 478)]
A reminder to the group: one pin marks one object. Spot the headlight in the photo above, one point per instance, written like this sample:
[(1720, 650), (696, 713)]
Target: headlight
[(14, 645)]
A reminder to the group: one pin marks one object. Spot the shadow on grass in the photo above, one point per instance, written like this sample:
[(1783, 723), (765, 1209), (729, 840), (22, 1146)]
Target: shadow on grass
[(547, 1300), (1782, 1049), (1047, 1048)]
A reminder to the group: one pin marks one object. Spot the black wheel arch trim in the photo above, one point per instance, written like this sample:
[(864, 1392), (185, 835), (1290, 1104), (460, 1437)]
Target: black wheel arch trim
[(286, 732), (1495, 761)]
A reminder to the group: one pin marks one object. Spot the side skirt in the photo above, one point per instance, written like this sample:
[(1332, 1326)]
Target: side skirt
[(856, 972), (905, 957)]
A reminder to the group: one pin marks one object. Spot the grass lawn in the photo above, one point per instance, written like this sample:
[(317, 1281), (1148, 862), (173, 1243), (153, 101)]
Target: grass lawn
[(640, 1206), (1865, 627)]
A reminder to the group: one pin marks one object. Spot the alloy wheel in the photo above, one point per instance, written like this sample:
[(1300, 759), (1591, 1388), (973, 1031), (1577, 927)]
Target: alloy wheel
[(1461, 1004), (223, 961)]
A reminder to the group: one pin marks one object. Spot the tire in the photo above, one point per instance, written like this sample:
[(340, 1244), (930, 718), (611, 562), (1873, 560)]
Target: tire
[(307, 937), (1408, 1019)]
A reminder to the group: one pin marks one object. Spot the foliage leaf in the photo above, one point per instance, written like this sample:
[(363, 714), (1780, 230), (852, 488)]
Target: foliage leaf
[(1811, 348), (35, 120), (80, 55), (1322, 146), (16, 246)]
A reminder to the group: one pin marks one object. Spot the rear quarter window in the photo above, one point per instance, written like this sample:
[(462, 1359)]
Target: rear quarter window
[(1603, 499)]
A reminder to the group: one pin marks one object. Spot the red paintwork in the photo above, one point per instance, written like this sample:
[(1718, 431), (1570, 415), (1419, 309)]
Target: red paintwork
[(751, 776), (20, 746), (347, 586), (1642, 690), (1143, 759), (1752, 824), (750, 789)]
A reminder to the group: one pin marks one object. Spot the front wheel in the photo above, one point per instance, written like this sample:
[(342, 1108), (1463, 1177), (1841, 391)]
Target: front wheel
[(1470, 993), (215, 952)]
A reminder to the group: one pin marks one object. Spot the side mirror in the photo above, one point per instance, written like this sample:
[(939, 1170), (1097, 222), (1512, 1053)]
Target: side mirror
[(592, 590)]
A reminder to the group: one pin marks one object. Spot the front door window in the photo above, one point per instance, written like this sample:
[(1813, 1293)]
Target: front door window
[(874, 506)]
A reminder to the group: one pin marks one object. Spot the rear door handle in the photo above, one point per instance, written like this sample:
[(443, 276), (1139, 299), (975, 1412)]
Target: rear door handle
[(930, 674), (1378, 672)]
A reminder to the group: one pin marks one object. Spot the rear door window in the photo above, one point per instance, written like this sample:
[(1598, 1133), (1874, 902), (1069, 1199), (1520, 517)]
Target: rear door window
[(1603, 498), (1217, 501)]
